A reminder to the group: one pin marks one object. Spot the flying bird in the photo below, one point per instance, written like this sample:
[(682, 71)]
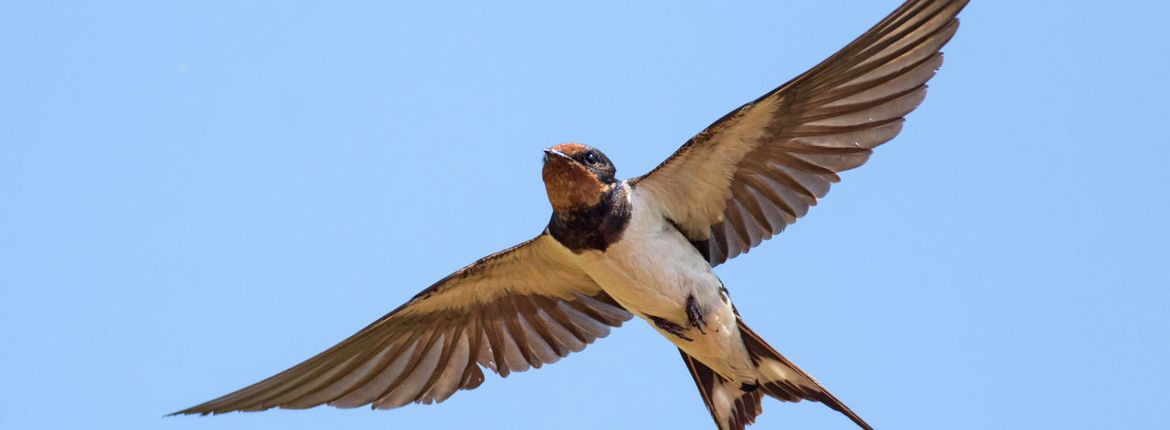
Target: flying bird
[(614, 249)]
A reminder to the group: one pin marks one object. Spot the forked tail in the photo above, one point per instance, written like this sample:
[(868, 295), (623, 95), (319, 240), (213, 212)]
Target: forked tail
[(735, 405), (730, 405)]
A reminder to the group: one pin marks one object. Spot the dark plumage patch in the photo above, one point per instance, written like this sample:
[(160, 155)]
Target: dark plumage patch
[(670, 327), (593, 228), (695, 314), (726, 296)]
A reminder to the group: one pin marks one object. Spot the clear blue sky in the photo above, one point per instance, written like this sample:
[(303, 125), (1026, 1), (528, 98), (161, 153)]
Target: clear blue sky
[(195, 195)]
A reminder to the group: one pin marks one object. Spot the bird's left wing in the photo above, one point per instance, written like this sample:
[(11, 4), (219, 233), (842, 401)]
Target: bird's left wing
[(759, 168), (522, 307)]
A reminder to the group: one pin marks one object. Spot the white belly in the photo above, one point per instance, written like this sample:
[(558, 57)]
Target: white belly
[(652, 271)]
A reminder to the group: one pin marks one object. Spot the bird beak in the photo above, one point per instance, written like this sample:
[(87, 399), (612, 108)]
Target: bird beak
[(552, 154)]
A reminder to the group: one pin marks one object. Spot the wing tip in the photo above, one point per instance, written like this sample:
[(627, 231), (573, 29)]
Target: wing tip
[(195, 410)]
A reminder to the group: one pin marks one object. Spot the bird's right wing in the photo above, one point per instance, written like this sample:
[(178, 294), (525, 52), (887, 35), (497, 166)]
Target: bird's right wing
[(758, 169), (522, 307)]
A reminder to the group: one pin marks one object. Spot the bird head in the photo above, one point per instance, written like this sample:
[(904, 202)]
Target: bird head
[(576, 176)]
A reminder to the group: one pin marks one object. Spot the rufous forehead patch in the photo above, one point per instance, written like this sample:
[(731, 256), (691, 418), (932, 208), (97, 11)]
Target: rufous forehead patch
[(570, 149)]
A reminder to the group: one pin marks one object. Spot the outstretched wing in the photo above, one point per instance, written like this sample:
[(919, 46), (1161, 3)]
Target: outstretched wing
[(759, 168), (522, 307)]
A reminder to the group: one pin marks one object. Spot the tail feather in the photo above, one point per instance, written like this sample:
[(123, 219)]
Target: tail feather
[(731, 407), (781, 379)]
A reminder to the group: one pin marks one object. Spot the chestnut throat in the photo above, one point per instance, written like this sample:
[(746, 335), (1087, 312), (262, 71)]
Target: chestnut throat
[(593, 227)]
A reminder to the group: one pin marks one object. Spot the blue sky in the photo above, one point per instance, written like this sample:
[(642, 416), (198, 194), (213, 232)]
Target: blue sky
[(195, 195)]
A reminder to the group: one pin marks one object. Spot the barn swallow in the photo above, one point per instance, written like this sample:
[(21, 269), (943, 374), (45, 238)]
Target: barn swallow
[(614, 249)]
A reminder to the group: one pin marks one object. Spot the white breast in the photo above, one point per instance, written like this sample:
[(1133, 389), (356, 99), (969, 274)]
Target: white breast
[(653, 269)]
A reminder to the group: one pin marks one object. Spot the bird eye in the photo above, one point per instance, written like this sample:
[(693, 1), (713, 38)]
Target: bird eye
[(590, 158)]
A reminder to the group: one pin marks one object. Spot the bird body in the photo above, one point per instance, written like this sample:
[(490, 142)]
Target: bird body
[(642, 247), (651, 269), (655, 273)]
